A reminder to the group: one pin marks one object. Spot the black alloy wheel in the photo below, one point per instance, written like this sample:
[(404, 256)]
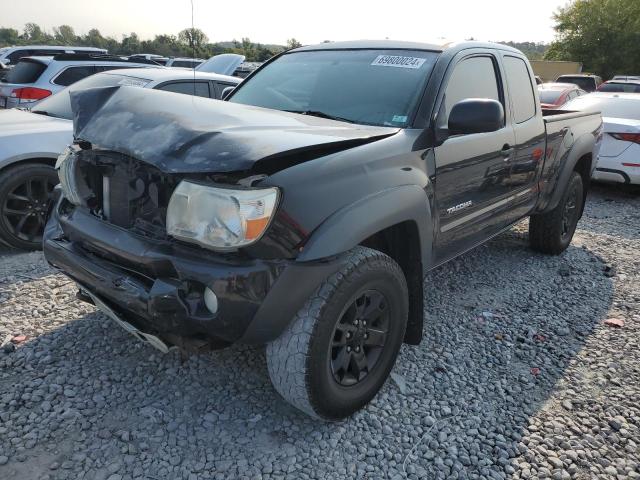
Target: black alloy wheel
[(359, 338), (25, 192)]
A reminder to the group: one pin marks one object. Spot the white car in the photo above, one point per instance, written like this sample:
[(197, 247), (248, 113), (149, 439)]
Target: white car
[(619, 157), (31, 140)]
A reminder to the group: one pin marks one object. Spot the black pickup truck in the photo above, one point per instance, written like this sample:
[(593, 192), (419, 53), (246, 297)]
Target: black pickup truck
[(304, 211)]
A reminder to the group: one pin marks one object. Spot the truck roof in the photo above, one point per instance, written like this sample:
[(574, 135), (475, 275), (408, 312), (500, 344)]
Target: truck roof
[(402, 45)]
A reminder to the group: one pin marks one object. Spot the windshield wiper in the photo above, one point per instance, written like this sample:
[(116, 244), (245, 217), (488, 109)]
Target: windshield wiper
[(39, 112), (318, 113)]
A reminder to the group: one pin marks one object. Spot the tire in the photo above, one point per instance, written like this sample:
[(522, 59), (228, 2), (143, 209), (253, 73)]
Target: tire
[(552, 232), (25, 190), (304, 362)]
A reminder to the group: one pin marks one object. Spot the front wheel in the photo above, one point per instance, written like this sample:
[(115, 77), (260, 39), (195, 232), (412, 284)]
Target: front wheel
[(340, 347), (552, 232)]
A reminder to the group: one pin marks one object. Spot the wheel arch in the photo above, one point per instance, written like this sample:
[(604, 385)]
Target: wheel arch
[(397, 222), (41, 159), (580, 159)]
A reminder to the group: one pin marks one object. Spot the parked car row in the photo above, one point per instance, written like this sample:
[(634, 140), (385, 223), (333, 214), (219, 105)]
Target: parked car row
[(31, 140)]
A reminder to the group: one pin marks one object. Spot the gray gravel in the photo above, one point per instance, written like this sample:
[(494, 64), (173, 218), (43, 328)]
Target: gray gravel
[(518, 377)]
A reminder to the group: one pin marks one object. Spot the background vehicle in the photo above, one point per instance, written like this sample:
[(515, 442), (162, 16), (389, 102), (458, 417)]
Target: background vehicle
[(225, 62), (152, 57), (549, 70), (30, 141), (11, 55), (184, 62), (619, 157), (626, 77), (588, 83), (309, 223), (554, 95), (538, 80), (35, 78), (628, 86)]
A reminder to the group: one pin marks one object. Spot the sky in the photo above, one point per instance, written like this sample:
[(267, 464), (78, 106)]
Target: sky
[(309, 22)]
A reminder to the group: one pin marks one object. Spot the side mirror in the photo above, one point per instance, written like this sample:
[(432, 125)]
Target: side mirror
[(476, 115), (226, 92)]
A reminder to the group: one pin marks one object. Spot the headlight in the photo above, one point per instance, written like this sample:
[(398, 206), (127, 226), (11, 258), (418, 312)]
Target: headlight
[(219, 218)]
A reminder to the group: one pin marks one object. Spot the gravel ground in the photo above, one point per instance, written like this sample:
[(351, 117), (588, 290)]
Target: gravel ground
[(517, 377)]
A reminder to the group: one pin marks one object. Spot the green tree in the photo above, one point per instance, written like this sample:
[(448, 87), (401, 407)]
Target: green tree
[(293, 43), (9, 36), (603, 35), (130, 44), (94, 38), (65, 35), (195, 39), (33, 33)]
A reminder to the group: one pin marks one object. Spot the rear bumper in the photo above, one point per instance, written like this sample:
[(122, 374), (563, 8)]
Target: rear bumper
[(158, 286), (613, 169)]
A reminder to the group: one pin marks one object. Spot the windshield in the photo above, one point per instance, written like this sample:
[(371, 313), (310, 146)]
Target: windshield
[(371, 87), (59, 105), (614, 107), (550, 96)]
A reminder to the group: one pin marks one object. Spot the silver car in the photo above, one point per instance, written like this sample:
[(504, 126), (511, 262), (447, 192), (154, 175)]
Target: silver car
[(35, 78), (30, 141)]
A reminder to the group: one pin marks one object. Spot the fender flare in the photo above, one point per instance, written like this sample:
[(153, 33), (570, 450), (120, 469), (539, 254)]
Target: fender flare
[(581, 147), (354, 223)]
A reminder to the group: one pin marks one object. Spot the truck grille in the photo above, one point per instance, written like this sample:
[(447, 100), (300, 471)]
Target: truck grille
[(127, 193)]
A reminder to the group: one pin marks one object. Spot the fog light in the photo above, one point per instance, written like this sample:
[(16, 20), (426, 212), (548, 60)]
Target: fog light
[(210, 300)]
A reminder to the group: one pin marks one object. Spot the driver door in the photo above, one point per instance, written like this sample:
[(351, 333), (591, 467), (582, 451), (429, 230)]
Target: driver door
[(472, 186)]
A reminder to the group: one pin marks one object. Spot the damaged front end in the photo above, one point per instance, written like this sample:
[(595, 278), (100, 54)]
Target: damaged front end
[(168, 239)]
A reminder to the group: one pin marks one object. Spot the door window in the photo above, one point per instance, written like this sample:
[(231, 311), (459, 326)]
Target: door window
[(473, 77), (200, 89), (73, 74)]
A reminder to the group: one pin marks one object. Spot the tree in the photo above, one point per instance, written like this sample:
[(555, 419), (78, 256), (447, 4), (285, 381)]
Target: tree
[(293, 43), (601, 34), (130, 44), (94, 38), (33, 33), (194, 38), (64, 35), (9, 36)]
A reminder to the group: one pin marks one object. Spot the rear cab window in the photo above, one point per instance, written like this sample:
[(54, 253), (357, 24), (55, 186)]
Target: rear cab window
[(26, 71), (523, 100)]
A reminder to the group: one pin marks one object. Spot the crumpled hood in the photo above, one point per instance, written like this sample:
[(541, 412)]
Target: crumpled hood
[(180, 133)]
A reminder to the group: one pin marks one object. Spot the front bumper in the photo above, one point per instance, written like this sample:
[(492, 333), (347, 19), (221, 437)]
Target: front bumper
[(158, 285)]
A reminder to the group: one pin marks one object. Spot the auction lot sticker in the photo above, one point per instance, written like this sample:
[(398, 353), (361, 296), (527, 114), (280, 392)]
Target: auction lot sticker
[(398, 61)]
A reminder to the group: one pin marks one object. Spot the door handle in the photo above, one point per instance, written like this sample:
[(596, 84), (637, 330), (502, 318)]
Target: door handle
[(507, 151)]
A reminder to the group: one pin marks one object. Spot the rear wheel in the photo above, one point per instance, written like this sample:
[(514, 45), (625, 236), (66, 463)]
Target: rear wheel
[(339, 349), (24, 196), (552, 232)]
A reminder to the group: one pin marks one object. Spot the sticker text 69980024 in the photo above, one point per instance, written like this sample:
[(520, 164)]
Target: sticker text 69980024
[(398, 61)]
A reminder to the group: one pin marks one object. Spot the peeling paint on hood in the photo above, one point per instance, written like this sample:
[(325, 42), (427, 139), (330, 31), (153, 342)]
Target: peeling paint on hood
[(179, 133)]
